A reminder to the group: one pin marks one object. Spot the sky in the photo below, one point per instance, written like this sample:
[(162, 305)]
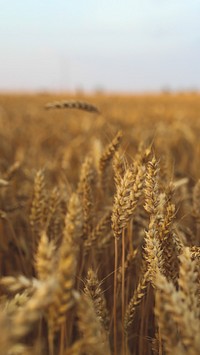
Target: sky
[(113, 45)]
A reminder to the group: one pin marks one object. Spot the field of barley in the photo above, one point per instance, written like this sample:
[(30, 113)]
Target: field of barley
[(100, 224)]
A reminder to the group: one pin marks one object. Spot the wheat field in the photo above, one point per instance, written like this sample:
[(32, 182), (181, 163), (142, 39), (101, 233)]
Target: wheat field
[(100, 224)]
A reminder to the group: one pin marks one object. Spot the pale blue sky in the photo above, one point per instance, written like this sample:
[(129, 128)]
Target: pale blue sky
[(121, 45)]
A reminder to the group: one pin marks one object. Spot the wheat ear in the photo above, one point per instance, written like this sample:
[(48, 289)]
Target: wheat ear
[(85, 189), (196, 209), (94, 337), (107, 156), (45, 260), (27, 315), (126, 198), (102, 228), (135, 300), (171, 307), (17, 284), (72, 104), (188, 282), (65, 297), (93, 290), (38, 206)]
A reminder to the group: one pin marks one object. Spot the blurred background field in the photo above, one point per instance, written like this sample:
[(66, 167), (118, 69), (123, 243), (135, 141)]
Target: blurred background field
[(39, 138)]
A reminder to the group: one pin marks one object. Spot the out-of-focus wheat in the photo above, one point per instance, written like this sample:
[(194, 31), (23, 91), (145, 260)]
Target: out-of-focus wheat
[(71, 104)]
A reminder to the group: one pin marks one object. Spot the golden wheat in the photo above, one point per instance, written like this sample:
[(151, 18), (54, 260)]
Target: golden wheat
[(99, 243)]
